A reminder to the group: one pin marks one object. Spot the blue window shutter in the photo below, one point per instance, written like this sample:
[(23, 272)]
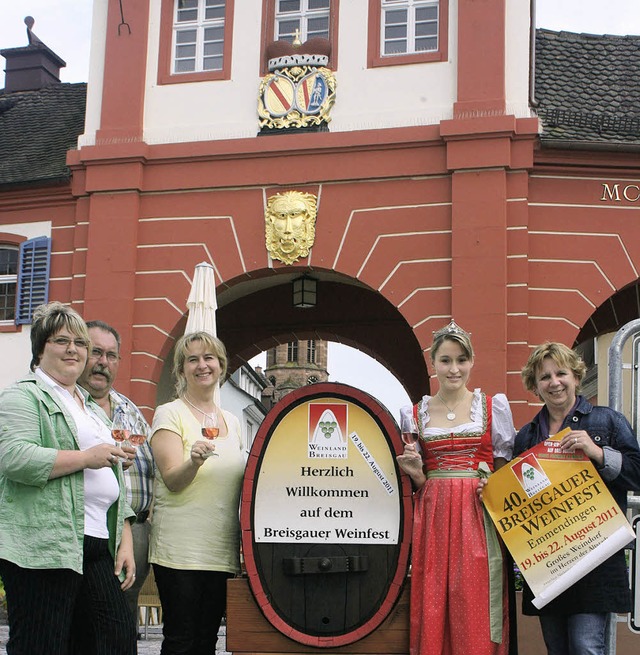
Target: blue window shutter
[(33, 277)]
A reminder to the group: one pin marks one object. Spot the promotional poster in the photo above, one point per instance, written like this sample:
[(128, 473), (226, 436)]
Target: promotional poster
[(556, 517)]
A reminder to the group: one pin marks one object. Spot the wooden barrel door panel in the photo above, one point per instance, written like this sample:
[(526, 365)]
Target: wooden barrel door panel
[(326, 515)]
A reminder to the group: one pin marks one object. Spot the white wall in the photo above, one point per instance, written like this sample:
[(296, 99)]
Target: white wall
[(202, 111), (16, 346), (236, 399), (388, 96), (96, 73), (517, 57), (16, 355)]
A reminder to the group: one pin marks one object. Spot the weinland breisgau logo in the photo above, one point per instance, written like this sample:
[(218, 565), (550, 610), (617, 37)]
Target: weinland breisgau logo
[(531, 475), (327, 431)]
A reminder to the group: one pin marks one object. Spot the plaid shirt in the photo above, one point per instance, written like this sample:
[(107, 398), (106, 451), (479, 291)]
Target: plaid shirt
[(139, 476)]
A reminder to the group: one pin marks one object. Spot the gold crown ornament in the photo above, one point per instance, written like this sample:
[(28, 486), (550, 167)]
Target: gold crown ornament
[(452, 329)]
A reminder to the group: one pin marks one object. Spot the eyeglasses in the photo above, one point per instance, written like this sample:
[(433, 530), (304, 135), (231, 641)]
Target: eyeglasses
[(64, 342), (96, 353)]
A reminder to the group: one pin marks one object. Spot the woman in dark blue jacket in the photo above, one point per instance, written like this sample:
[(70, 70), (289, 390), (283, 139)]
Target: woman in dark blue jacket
[(575, 622)]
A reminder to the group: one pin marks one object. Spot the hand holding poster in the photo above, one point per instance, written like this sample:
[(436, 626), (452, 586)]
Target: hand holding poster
[(556, 517)]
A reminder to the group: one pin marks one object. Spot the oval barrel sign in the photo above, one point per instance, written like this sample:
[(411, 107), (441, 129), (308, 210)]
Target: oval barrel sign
[(326, 515)]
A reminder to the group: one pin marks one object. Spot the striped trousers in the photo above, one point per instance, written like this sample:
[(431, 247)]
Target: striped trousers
[(42, 604)]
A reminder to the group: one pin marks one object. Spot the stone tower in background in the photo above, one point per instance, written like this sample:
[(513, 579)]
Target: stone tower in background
[(293, 365)]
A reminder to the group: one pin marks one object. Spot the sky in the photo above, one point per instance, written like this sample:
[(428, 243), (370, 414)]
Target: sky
[(65, 26)]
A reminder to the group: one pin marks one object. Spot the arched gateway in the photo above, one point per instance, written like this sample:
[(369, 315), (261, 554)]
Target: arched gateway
[(447, 183)]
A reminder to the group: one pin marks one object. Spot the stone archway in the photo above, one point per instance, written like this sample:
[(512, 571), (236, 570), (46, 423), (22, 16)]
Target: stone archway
[(616, 311), (345, 312), (253, 316)]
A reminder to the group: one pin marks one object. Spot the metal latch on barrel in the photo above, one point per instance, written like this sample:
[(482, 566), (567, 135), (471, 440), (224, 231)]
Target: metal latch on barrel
[(311, 565)]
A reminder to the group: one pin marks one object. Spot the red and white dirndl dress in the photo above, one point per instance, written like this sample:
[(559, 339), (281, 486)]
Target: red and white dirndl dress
[(452, 598)]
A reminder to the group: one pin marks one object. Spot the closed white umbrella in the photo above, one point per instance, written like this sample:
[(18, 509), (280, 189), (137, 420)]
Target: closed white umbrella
[(202, 305), (202, 302)]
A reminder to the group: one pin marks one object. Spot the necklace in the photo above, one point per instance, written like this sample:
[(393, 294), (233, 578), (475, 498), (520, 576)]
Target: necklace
[(451, 412), (208, 415)]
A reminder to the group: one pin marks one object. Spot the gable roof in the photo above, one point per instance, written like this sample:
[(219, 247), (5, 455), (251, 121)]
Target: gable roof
[(588, 89), (37, 128)]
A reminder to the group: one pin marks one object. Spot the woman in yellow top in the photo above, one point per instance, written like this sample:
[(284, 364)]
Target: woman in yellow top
[(195, 535)]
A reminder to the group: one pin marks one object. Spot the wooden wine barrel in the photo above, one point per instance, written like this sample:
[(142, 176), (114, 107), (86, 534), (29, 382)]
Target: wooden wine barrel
[(326, 515)]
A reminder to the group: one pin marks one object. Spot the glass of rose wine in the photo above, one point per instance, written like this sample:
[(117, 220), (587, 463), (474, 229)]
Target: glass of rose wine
[(408, 429), (120, 428), (138, 433), (210, 430)]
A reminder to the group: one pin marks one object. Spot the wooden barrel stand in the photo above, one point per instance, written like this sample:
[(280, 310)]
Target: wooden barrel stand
[(249, 632)]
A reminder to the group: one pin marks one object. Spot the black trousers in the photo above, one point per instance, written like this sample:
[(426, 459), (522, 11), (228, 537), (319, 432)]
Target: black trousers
[(193, 604), (42, 604)]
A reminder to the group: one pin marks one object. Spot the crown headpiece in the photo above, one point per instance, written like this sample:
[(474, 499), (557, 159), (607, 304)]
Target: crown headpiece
[(452, 329)]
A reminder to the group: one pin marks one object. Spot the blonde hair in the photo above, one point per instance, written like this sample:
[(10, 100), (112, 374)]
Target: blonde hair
[(562, 355), (211, 343)]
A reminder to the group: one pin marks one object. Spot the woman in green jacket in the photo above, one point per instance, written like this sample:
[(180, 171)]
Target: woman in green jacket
[(64, 540)]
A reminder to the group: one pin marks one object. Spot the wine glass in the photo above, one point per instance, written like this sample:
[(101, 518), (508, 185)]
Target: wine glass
[(120, 427), (138, 432), (408, 429), (210, 430)]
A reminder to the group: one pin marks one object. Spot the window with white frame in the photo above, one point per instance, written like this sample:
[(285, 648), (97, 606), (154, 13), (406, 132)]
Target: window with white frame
[(408, 27), (8, 283), (309, 18), (198, 36)]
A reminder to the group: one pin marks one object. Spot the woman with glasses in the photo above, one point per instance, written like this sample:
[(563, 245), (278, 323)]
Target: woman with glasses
[(64, 540)]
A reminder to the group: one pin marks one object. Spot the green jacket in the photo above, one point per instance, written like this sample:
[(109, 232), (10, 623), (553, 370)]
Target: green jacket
[(42, 520)]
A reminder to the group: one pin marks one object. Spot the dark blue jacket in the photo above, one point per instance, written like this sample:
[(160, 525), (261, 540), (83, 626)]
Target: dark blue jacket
[(606, 588)]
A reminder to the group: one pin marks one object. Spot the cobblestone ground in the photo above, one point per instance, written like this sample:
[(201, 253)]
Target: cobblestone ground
[(149, 646)]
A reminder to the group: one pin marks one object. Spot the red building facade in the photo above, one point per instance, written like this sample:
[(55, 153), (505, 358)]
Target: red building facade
[(482, 216)]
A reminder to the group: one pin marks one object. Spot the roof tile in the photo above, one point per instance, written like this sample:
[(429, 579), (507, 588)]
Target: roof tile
[(37, 128), (588, 87)]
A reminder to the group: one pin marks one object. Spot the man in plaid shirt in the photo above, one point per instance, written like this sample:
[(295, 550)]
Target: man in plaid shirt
[(98, 378)]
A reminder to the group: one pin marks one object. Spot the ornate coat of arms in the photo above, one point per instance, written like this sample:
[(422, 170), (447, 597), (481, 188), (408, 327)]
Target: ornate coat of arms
[(299, 90)]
